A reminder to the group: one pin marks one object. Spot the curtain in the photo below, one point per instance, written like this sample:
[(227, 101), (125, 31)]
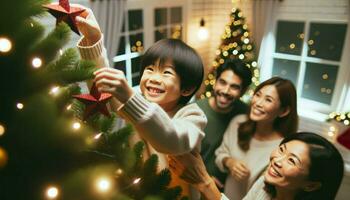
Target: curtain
[(263, 22), (109, 14)]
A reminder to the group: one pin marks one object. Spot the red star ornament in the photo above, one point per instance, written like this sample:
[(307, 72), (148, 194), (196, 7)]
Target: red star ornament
[(64, 12), (94, 102)]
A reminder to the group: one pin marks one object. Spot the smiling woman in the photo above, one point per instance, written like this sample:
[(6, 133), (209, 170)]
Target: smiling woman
[(250, 138), (304, 166)]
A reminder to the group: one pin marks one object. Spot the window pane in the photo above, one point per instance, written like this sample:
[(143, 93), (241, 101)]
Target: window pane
[(326, 40), (136, 80), (289, 37), (319, 82), (160, 34), (121, 48), (135, 65), (160, 17), (135, 20), (135, 68), (136, 42), (287, 69), (176, 15), (121, 66), (176, 32)]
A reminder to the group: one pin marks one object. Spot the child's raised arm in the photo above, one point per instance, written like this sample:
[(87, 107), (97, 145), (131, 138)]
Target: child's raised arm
[(178, 135)]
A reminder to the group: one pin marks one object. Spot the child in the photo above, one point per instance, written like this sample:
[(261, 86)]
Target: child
[(171, 72)]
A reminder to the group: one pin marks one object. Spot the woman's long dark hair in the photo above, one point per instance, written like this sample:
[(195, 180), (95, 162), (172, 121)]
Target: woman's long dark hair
[(326, 167), (285, 125)]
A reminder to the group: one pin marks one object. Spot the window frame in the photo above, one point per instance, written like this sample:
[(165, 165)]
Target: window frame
[(148, 7), (306, 107)]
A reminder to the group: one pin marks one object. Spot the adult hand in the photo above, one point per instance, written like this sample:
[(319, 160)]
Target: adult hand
[(88, 26), (189, 167), (113, 81), (238, 169)]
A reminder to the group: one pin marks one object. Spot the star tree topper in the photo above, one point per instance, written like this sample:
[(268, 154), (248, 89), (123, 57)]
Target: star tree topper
[(66, 13), (94, 102)]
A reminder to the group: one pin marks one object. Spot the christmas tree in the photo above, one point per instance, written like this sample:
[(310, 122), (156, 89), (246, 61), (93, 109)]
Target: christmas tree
[(235, 44), (50, 147)]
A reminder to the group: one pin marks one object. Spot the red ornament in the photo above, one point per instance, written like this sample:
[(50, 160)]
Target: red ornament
[(344, 138), (64, 12), (94, 102)]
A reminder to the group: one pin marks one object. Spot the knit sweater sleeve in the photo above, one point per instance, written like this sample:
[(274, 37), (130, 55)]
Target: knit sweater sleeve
[(95, 52), (229, 141), (178, 135)]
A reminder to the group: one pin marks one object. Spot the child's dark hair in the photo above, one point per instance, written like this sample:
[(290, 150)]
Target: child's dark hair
[(240, 69), (188, 65), (326, 167)]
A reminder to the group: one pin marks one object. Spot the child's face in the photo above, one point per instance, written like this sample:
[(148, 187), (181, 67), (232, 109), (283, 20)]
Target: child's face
[(161, 85)]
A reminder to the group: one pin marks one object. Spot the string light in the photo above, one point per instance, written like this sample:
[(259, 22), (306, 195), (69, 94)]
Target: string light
[(69, 107), (340, 117), (37, 62), (103, 184), (5, 45), (52, 192), (76, 125), (20, 106), (136, 181), (2, 130), (54, 90), (97, 136)]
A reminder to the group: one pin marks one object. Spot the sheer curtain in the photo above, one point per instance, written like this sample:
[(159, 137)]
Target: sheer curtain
[(263, 22), (109, 14)]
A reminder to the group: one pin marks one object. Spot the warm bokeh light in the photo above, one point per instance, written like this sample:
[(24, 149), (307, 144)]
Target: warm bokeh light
[(5, 45), (52, 192), (103, 184), (3, 157), (203, 33), (37, 62), (69, 107), (97, 136), (54, 90), (2, 130), (76, 125), (136, 181), (20, 106)]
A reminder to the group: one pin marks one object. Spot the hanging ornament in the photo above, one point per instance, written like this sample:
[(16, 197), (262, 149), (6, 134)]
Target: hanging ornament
[(66, 13), (95, 102)]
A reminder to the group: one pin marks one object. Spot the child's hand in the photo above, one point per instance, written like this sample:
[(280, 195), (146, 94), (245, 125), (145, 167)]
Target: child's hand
[(113, 81), (88, 26)]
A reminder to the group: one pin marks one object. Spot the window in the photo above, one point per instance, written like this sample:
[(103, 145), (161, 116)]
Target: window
[(168, 23), (146, 22), (310, 54)]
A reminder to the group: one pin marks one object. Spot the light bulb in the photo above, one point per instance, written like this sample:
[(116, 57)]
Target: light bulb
[(203, 32), (37, 62), (52, 192), (5, 45)]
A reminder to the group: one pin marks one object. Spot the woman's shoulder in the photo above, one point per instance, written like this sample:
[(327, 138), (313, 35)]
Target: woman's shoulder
[(239, 119)]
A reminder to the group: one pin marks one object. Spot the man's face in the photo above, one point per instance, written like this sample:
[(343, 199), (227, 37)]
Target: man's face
[(227, 89)]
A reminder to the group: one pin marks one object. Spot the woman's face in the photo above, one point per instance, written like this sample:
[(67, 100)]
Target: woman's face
[(289, 166), (265, 105)]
